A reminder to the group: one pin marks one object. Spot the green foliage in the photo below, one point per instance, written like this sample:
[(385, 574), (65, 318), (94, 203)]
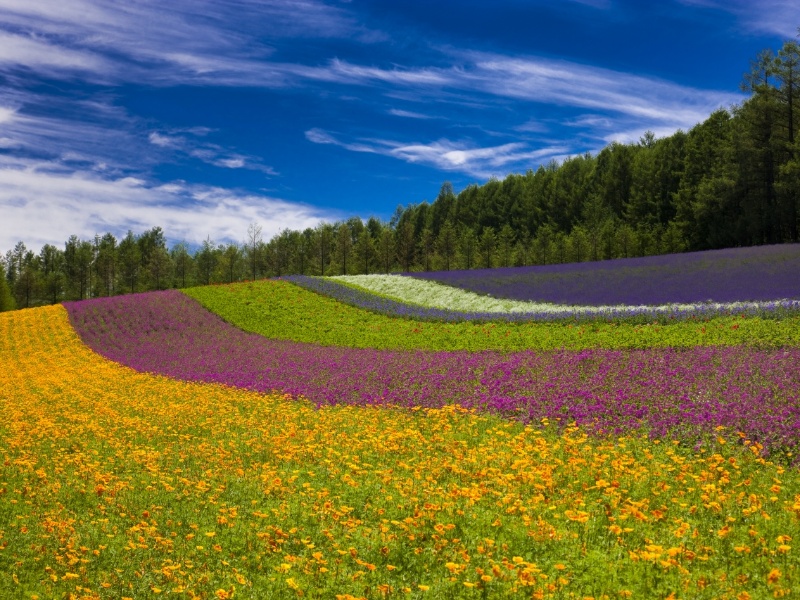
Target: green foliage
[(281, 310), (6, 299)]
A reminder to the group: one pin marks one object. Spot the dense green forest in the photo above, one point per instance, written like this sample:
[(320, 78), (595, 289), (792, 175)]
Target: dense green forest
[(733, 180)]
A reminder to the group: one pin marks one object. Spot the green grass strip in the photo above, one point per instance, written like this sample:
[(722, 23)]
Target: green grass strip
[(281, 310)]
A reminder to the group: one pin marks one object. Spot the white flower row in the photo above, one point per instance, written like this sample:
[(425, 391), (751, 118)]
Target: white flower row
[(431, 294)]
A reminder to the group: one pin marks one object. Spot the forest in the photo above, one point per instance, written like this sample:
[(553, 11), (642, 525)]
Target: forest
[(732, 180)]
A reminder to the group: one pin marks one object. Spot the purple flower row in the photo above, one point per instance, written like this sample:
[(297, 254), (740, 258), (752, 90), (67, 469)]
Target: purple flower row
[(394, 308), (762, 273), (667, 392)]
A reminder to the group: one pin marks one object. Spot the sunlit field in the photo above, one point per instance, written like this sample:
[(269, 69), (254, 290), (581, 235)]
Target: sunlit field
[(217, 466)]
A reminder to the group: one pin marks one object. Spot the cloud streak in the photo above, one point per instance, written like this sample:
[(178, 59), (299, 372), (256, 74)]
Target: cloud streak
[(197, 41), (212, 154), (48, 203), (776, 17), (446, 155), (547, 81), (72, 130), (144, 43)]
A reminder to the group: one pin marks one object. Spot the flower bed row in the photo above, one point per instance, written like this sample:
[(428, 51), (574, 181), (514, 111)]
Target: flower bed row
[(761, 273), (425, 299), (679, 393)]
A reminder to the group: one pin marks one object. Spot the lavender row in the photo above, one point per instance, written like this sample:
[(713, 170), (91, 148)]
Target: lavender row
[(369, 301), (763, 273), (675, 393)]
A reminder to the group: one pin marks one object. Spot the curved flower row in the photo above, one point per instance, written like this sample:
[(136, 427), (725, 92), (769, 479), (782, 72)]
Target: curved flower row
[(731, 275), (373, 297), (431, 294), (683, 393)]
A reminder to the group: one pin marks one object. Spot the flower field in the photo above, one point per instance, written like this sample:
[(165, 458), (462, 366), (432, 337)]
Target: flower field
[(287, 310), (661, 391), (764, 273), (318, 438), (118, 484), (453, 303)]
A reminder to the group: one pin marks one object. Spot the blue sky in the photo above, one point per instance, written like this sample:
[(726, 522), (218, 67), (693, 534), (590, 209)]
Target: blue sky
[(202, 117)]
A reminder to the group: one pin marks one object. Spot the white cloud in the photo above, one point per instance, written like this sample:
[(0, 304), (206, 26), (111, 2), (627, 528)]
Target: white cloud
[(632, 136), (593, 121), (565, 83), (6, 114), (318, 136), (532, 126), (409, 114), (479, 76), (446, 155), (72, 130), (776, 17), (345, 72), (232, 163), (32, 52), (204, 42), (162, 140), (209, 153), (49, 203), (188, 41)]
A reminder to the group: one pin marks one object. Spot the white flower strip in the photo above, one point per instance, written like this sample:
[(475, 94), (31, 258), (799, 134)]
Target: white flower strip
[(430, 294)]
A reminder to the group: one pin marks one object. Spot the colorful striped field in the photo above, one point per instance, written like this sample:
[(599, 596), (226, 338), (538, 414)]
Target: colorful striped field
[(226, 464)]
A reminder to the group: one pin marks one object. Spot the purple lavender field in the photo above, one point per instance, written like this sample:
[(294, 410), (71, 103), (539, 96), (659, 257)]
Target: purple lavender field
[(666, 392), (731, 275)]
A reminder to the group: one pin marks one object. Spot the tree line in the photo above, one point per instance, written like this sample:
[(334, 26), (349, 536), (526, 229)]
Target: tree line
[(732, 180)]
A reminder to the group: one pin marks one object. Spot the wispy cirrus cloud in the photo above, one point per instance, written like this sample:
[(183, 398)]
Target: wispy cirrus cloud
[(96, 132), (93, 132), (447, 155), (548, 81), (185, 141), (410, 114), (145, 41), (206, 43), (623, 106), (45, 57), (47, 202), (777, 17)]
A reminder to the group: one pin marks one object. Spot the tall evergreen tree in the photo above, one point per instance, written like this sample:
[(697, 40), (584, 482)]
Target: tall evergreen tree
[(51, 262), (386, 249), (206, 260), (486, 245), (129, 261), (183, 263), (446, 244)]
